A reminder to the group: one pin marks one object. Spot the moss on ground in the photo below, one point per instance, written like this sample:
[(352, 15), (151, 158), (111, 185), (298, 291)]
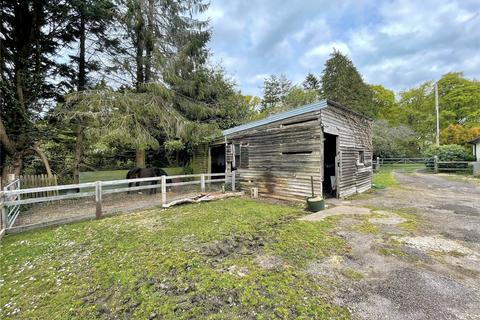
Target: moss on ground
[(352, 274), (192, 261), (366, 226)]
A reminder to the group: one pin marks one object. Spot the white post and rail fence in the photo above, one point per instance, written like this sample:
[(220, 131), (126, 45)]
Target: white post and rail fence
[(13, 196)]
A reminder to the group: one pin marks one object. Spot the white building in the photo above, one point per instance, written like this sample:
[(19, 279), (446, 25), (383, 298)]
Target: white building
[(476, 147)]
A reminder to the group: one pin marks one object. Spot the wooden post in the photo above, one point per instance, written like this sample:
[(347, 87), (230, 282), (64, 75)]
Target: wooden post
[(378, 164), (233, 180), (164, 190), (202, 183), (435, 164), (98, 199), (3, 222)]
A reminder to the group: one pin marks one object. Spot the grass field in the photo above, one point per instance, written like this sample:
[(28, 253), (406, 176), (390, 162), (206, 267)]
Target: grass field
[(384, 177), (220, 260), (92, 176)]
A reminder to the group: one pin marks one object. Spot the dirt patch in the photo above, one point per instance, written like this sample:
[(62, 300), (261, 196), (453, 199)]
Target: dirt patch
[(460, 209), (233, 244), (437, 244), (388, 220), (270, 262), (335, 211)]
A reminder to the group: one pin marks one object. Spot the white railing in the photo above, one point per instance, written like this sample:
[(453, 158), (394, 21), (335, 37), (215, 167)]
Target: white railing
[(10, 212), (10, 197)]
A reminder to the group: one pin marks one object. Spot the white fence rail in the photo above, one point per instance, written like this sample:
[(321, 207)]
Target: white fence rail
[(10, 200)]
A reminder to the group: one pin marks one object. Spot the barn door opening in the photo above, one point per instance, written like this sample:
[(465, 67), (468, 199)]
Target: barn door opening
[(217, 164), (329, 165)]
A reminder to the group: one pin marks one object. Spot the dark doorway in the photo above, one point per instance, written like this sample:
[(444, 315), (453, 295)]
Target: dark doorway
[(329, 172), (217, 156)]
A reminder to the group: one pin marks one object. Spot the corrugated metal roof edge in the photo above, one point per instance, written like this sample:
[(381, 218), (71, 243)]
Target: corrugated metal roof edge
[(474, 140), (277, 117)]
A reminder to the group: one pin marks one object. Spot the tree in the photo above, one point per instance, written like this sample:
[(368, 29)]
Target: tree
[(90, 23), (33, 33), (134, 118), (167, 39), (418, 112), (275, 90), (458, 134), (342, 83), (384, 105), (311, 82), (459, 100), (297, 97), (394, 141)]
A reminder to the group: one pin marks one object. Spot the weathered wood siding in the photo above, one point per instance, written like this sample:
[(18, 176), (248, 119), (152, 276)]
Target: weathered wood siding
[(281, 157), (355, 135), (199, 162)]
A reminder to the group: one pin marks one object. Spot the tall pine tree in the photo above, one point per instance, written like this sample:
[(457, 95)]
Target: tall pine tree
[(342, 83)]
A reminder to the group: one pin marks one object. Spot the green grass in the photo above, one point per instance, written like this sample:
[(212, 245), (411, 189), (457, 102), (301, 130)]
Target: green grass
[(352, 274), (366, 226), (92, 176), (384, 178), (188, 262)]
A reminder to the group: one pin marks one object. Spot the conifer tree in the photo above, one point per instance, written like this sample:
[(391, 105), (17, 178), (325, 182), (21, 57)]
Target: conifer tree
[(342, 83)]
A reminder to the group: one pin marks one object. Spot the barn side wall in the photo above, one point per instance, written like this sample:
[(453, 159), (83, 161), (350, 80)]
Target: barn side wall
[(279, 158), (355, 135), (199, 161)]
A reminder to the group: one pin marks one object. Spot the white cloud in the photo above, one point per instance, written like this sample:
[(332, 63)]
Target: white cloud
[(397, 43), (317, 56)]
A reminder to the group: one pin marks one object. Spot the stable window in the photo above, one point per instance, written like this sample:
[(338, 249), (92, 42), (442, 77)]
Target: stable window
[(244, 155), (298, 152), (361, 157), (237, 151)]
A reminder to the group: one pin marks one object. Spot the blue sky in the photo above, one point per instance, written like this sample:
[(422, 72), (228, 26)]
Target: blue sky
[(398, 44)]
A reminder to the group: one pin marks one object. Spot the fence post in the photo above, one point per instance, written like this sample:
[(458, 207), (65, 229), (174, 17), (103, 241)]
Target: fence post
[(98, 199), (202, 183), (233, 180), (3, 222), (378, 164), (435, 164), (164, 190)]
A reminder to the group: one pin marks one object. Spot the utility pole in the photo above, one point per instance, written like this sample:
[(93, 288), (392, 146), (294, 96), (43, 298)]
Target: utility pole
[(438, 120)]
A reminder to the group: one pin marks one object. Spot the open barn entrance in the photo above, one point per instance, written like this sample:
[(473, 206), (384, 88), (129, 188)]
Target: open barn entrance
[(329, 170), (217, 156)]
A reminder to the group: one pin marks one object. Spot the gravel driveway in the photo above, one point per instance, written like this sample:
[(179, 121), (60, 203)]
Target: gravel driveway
[(416, 256)]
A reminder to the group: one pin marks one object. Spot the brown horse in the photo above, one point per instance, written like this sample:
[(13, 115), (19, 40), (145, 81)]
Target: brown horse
[(136, 173)]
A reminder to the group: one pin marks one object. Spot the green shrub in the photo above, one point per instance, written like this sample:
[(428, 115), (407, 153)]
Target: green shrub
[(448, 152)]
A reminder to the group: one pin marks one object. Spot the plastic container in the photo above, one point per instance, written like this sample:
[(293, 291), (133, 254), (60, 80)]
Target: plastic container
[(315, 204)]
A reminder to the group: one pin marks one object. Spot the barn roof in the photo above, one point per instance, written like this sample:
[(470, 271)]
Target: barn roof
[(277, 117), (474, 140)]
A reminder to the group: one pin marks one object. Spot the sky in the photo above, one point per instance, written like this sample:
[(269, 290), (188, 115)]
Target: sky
[(398, 44)]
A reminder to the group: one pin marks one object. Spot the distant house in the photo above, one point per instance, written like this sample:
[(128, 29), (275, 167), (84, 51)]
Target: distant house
[(476, 147), (281, 153)]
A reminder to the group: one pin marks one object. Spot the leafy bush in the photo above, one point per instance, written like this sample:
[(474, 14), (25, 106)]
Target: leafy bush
[(448, 152)]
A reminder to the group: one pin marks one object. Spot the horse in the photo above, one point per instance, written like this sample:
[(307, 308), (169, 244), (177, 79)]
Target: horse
[(136, 173)]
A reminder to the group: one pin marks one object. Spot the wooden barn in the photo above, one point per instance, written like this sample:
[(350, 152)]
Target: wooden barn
[(281, 153)]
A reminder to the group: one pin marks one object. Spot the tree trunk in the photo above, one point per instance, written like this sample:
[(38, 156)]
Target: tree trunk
[(81, 86), (81, 60), (149, 41), (78, 154), (140, 46), (17, 164), (140, 158), (44, 159)]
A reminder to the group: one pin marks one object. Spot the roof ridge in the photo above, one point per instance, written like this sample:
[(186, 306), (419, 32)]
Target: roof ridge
[(318, 105)]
